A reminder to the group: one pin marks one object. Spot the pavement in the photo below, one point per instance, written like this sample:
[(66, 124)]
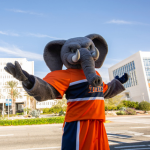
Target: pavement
[(129, 132), (124, 133)]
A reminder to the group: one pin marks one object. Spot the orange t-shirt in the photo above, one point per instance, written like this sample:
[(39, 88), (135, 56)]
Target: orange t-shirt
[(84, 102)]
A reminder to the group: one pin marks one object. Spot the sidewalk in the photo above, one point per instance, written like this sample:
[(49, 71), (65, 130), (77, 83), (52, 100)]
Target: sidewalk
[(50, 115)]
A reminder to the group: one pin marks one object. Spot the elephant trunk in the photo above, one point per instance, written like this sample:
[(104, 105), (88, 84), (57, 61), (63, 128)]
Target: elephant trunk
[(88, 66)]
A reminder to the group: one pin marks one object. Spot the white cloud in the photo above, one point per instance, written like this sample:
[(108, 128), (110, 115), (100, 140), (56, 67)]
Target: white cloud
[(1, 32), (119, 22), (13, 50), (9, 33), (125, 22), (25, 12), (41, 36)]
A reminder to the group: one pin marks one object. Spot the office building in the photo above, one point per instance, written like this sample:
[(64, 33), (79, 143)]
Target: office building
[(138, 68), (21, 100)]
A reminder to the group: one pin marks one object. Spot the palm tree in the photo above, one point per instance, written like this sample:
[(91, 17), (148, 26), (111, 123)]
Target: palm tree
[(32, 101), (12, 85)]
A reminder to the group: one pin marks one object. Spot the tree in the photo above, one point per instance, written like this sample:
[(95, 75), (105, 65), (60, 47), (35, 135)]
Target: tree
[(62, 103), (114, 101), (12, 85), (144, 106), (31, 100)]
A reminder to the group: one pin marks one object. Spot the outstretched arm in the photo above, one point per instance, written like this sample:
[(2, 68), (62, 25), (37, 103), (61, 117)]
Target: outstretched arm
[(34, 86), (115, 86), (41, 90)]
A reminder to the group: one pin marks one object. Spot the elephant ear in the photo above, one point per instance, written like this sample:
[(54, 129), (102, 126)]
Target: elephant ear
[(101, 45), (52, 55)]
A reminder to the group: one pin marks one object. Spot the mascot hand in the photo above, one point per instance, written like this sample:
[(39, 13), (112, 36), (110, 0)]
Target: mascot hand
[(21, 75), (123, 79)]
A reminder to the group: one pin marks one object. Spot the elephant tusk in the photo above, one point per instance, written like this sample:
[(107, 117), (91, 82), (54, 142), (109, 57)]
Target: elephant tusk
[(76, 57), (95, 54)]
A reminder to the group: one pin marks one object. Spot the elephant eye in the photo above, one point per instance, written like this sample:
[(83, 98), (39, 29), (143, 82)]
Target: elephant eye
[(73, 50), (90, 47)]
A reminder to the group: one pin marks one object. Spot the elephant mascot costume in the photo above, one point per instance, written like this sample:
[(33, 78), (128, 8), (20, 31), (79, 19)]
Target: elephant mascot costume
[(85, 91)]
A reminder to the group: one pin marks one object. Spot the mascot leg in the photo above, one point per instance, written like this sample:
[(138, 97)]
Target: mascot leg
[(85, 135)]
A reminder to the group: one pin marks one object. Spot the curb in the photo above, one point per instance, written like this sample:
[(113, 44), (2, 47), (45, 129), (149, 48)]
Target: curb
[(107, 121)]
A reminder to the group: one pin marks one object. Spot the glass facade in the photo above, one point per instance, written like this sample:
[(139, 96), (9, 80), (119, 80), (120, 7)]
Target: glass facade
[(147, 69), (130, 70)]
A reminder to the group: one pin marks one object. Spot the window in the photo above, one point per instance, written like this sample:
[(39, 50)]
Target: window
[(127, 68), (146, 62)]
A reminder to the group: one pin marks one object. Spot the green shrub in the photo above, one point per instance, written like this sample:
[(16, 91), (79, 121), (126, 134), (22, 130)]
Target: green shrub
[(120, 113), (46, 110), (19, 113), (144, 106), (27, 109), (61, 113), (55, 109), (119, 106), (130, 111), (64, 108), (32, 121), (35, 113), (10, 115), (131, 104), (123, 108)]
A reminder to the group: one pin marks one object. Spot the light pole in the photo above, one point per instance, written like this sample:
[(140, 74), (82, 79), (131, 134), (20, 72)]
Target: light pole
[(3, 108)]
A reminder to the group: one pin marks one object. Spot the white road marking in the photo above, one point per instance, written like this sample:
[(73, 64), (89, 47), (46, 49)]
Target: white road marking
[(38, 148), (136, 148), (114, 143), (26, 126), (139, 127), (121, 131), (138, 134), (7, 135), (130, 146), (146, 135)]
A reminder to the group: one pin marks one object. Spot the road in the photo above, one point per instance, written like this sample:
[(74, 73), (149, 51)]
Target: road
[(129, 132), (124, 133)]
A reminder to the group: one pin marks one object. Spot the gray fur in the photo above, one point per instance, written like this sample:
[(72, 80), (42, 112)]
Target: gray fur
[(102, 46), (15, 71), (114, 87), (88, 66), (57, 53), (41, 90), (52, 55)]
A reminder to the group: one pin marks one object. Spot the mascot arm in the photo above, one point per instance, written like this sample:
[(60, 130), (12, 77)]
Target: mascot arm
[(41, 90), (115, 86), (34, 86)]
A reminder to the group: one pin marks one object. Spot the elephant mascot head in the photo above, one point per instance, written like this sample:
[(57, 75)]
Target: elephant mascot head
[(85, 53)]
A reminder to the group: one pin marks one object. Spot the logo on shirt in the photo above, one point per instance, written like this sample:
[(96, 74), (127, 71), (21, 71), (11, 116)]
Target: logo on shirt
[(95, 89)]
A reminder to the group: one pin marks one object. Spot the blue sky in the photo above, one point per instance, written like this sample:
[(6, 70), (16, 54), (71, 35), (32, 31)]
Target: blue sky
[(27, 26)]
